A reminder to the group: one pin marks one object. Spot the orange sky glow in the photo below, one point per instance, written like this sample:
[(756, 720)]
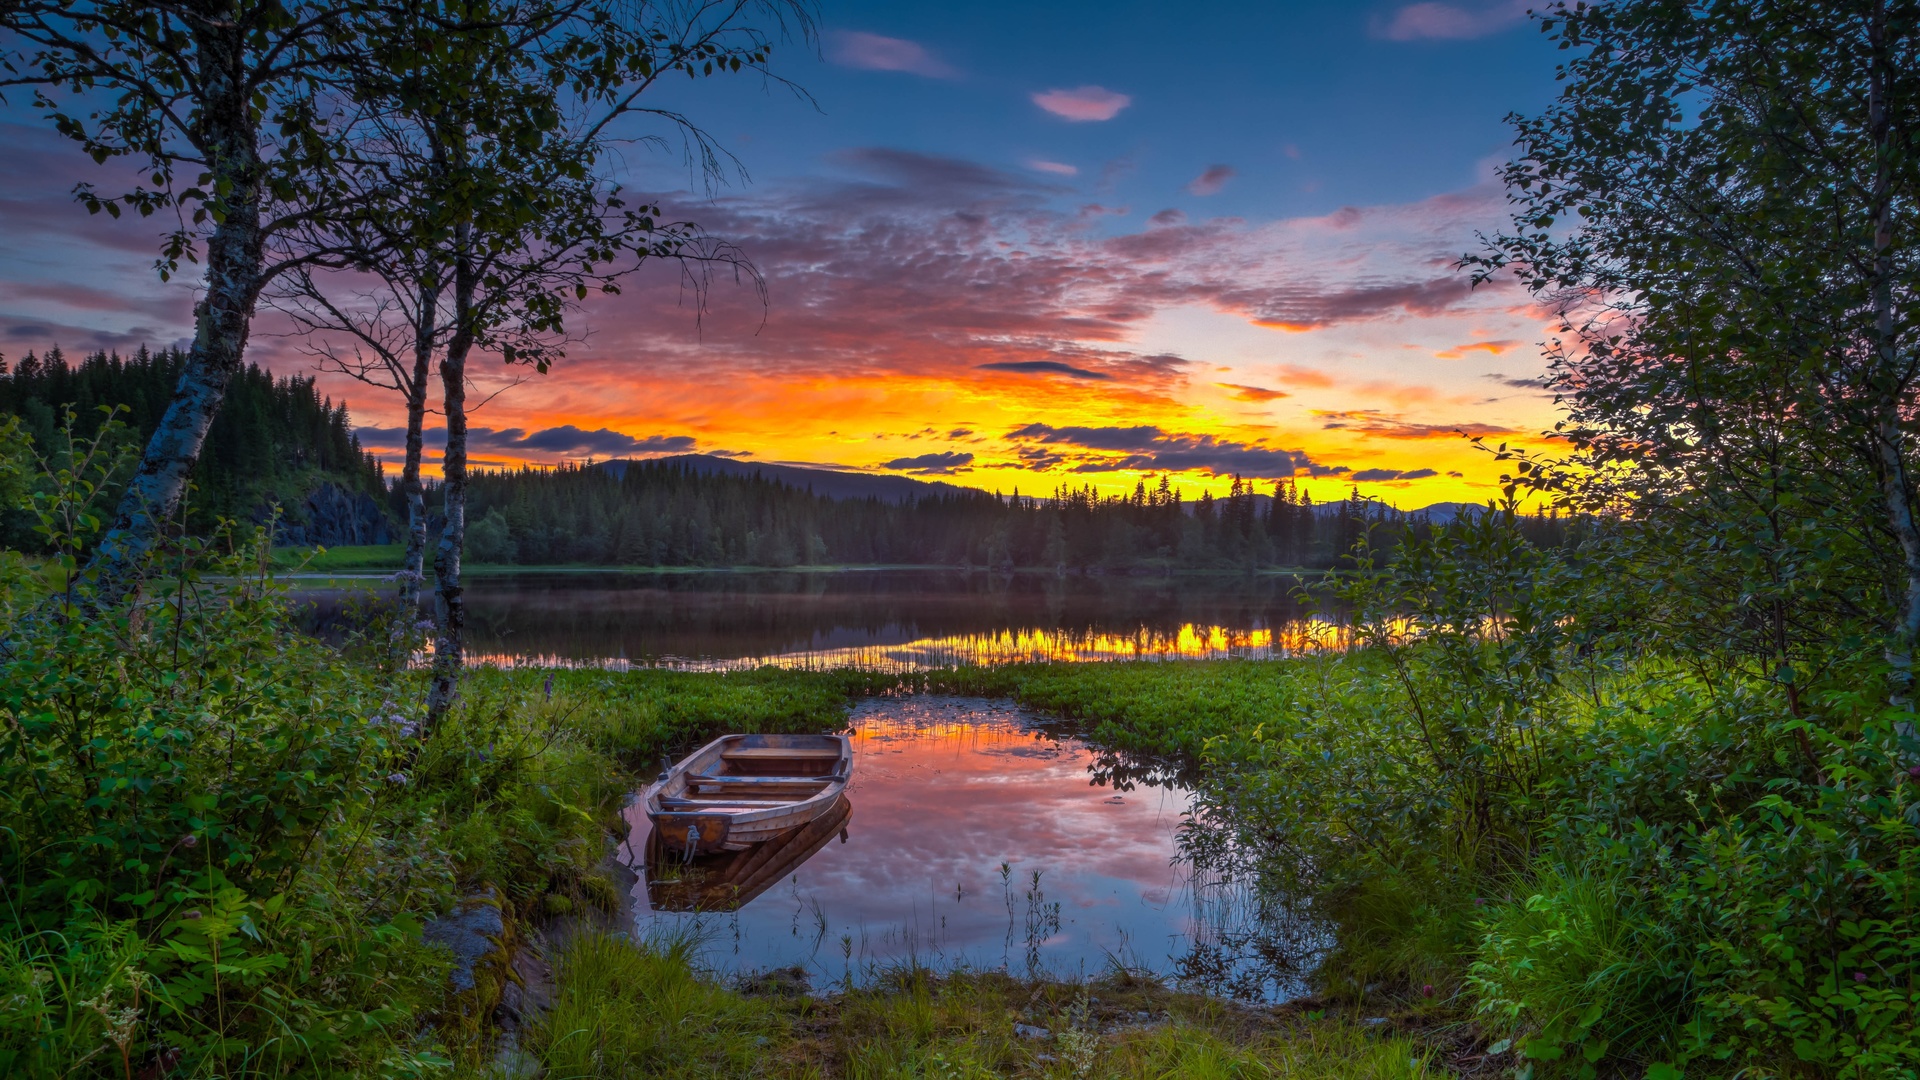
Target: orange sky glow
[(936, 319)]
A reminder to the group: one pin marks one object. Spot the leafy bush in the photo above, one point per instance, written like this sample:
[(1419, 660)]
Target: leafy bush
[(187, 793), (1806, 905), (1580, 971)]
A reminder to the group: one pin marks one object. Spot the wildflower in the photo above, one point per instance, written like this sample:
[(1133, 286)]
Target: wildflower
[(189, 840), (1427, 990), (1859, 976), (397, 778), (1914, 771), (423, 624)]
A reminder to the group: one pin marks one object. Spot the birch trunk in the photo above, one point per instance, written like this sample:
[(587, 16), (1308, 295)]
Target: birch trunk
[(222, 320), (449, 652), (413, 569)]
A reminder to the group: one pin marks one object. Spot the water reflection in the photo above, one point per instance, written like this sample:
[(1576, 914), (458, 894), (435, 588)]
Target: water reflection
[(986, 839), (882, 620), (732, 880)]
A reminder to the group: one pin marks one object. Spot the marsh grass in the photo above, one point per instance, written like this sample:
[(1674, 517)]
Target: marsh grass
[(641, 1010), (627, 1011)]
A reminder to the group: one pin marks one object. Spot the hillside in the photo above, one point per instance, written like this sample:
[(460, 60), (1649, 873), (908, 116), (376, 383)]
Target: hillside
[(274, 442), (824, 482)]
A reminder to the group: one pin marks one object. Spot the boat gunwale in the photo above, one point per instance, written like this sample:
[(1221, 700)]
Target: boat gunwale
[(683, 769)]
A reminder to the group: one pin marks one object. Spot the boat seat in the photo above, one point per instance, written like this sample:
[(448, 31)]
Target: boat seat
[(775, 753), (761, 781), (716, 806)]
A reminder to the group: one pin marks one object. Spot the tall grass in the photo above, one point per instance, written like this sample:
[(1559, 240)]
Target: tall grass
[(623, 1011), (627, 1010)]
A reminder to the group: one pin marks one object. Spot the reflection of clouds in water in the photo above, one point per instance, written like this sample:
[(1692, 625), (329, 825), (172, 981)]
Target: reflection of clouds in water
[(948, 791)]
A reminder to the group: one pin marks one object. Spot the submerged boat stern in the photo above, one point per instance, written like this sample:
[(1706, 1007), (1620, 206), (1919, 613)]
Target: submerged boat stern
[(689, 834)]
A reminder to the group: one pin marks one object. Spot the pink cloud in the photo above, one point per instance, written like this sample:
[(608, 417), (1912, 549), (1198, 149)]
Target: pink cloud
[(930, 269), (872, 52), (1057, 168), (1491, 348), (1211, 181), (1451, 22), (1083, 103)]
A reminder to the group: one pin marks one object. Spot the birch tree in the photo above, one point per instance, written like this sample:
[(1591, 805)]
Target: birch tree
[(588, 64), (1722, 206), (230, 112)]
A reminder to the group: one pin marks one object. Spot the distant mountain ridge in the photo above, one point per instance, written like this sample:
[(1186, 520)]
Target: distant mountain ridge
[(900, 490), (831, 483)]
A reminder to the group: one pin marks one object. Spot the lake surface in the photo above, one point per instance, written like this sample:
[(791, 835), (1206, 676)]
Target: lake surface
[(889, 620), (982, 837)]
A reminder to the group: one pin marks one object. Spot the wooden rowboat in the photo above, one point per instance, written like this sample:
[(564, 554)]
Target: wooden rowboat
[(728, 881), (742, 790)]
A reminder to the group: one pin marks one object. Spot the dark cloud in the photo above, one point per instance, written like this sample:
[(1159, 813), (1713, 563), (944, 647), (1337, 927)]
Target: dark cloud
[(941, 464), (1138, 437), (1370, 476), (1381, 425), (77, 341), (1317, 308), (959, 433), (1211, 181), (565, 440), (1148, 448), (1035, 367), (1169, 216)]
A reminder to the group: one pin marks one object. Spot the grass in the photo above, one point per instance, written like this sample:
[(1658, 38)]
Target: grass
[(383, 558), (626, 1010)]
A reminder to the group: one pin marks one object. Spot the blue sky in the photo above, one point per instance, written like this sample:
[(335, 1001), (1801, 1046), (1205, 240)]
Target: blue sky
[(1012, 246), (1313, 105)]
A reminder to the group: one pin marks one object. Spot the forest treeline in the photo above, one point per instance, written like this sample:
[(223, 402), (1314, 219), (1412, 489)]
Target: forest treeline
[(668, 514), (275, 439)]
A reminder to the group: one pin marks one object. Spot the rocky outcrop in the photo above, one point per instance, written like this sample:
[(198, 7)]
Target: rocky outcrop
[(332, 516)]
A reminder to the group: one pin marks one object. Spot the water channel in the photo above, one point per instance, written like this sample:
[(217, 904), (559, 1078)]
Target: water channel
[(979, 836)]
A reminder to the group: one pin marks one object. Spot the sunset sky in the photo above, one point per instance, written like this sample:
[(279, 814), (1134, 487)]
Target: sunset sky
[(1010, 246)]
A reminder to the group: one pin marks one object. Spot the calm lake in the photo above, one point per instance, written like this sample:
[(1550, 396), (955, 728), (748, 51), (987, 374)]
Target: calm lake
[(889, 620), (979, 834), (982, 837)]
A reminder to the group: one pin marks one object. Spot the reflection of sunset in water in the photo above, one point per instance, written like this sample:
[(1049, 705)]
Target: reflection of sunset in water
[(1010, 646), (957, 805), (887, 620)]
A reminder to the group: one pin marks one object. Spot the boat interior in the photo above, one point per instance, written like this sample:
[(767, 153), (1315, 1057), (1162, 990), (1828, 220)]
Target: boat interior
[(744, 774)]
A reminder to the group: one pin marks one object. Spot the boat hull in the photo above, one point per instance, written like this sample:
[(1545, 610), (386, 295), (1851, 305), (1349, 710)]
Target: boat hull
[(742, 790), (729, 880)]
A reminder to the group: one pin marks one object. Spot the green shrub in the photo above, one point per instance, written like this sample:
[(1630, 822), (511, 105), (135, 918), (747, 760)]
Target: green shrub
[(1580, 971), (1806, 909), (187, 792)]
